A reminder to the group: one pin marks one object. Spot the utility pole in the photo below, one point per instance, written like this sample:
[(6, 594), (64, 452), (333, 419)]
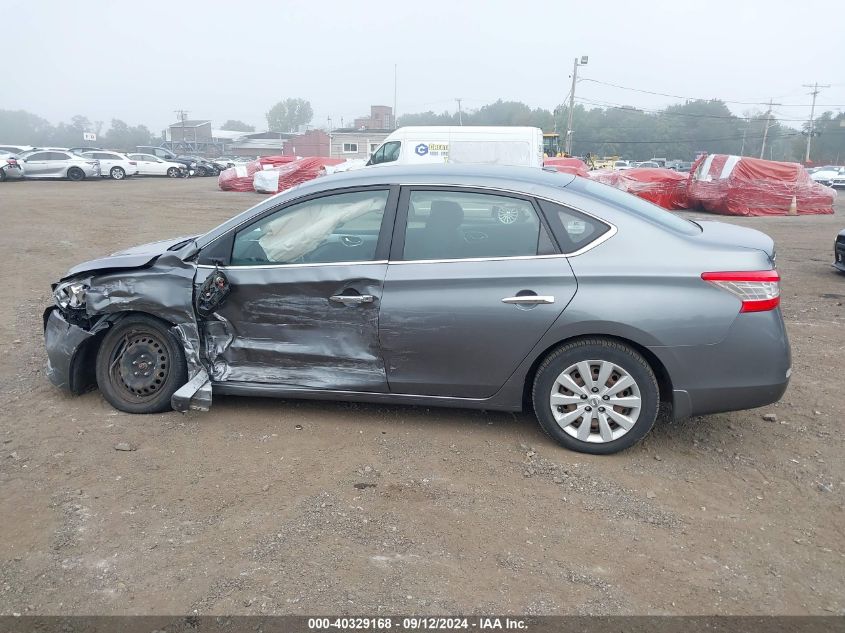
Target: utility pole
[(812, 129), (183, 116), (330, 137), (568, 143), (460, 114), (766, 129), (395, 66)]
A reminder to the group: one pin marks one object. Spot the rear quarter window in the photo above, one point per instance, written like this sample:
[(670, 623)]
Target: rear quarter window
[(572, 229)]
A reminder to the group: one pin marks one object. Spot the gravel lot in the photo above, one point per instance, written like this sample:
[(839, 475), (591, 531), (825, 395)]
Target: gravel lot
[(277, 507)]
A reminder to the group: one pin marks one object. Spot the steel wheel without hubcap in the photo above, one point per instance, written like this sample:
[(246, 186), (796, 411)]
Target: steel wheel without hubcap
[(139, 365), (595, 401), (117, 173)]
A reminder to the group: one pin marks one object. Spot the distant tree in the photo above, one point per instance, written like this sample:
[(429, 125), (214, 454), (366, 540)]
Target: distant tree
[(121, 136), (237, 126), (289, 114), (19, 126)]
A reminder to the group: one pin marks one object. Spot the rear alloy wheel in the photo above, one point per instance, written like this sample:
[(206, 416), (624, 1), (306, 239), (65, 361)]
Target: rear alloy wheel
[(200, 171), (117, 173), (507, 215), (173, 172), (140, 365), (596, 396), (75, 173)]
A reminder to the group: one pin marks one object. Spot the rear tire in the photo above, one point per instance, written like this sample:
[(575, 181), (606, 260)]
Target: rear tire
[(117, 173), (2, 175), (140, 365), (75, 174), (615, 418), (200, 171), (173, 172)]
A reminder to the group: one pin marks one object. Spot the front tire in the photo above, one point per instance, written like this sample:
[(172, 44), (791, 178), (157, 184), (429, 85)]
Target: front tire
[(117, 173), (200, 171), (596, 396), (173, 172), (2, 175), (75, 174), (140, 365)]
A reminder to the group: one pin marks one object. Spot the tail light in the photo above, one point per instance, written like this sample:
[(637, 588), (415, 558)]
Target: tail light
[(759, 290)]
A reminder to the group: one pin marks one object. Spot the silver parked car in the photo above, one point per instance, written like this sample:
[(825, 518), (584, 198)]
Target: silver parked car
[(51, 163), (398, 284)]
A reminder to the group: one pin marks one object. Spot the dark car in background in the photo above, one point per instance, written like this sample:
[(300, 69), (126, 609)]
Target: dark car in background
[(839, 252), (596, 309), (201, 166)]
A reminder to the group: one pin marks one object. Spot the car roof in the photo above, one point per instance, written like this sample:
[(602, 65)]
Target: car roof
[(524, 180)]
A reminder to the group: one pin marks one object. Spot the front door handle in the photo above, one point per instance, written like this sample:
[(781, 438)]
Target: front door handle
[(529, 300), (352, 300)]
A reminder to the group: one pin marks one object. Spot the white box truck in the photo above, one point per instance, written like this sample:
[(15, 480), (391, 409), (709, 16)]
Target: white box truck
[(466, 144)]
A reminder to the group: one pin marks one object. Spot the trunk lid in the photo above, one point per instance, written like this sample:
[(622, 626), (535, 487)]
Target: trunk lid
[(724, 234)]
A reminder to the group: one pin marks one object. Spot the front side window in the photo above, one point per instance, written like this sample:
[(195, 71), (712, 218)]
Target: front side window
[(337, 228), (467, 225), (350, 148), (39, 156)]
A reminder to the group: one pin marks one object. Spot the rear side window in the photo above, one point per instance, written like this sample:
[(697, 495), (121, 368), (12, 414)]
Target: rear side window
[(39, 156), (467, 225), (574, 230), (637, 206)]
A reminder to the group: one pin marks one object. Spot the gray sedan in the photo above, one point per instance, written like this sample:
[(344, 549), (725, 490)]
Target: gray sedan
[(53, 163), (593, 307)]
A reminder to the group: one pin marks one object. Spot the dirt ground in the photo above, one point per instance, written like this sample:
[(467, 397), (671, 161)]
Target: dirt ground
[(258, 505)]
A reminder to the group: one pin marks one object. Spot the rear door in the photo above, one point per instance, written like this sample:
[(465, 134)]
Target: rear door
[(474, 282), (306, 287)]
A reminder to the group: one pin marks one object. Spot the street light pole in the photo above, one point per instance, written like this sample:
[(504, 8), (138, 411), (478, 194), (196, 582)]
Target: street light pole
[(568, 143), (460, 114)]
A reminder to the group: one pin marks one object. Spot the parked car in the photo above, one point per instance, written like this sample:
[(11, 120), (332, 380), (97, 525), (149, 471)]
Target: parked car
[(827, 174), (16, 149), (201, 166), (41, 163), (647, 163), (621, 164), (114, 165), (81, 150), (839, 252), (838, 182), (10, 169), (329, 291), (149, 165), (225, 162)]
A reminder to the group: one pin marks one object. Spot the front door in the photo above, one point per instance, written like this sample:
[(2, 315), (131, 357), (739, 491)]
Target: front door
[(306, 287), (474, 282)]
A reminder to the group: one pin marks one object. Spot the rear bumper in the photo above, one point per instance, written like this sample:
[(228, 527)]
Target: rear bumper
[(750, 368)]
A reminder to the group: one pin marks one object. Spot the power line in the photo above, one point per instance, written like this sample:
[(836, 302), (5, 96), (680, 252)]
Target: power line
[(665, 94), (686, 140), (629, 108)]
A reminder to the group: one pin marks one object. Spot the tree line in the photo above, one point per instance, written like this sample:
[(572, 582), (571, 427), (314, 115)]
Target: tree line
[(678, 131)]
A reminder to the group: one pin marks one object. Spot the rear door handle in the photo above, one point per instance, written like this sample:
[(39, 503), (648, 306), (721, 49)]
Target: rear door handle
[(529, 300), (352, 300)]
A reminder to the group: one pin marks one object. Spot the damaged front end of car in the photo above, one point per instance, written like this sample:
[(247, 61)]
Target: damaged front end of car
[(155, 280)]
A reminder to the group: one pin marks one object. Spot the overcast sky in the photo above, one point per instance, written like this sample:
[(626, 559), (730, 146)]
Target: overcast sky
[(140, 61)]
